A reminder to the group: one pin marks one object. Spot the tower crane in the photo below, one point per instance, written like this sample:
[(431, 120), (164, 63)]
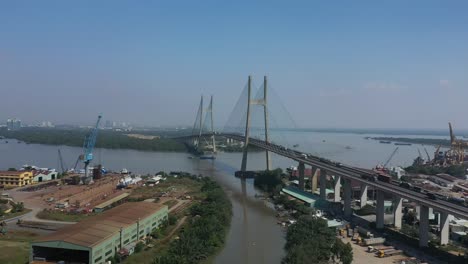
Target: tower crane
[(88, 146)]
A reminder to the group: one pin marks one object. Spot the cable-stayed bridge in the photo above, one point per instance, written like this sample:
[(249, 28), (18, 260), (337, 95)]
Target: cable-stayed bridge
[(241, 128)]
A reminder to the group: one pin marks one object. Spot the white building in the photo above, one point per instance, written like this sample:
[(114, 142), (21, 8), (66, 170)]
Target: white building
[(44, 175)]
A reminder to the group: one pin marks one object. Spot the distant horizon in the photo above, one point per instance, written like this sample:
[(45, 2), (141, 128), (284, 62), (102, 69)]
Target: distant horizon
[(354, 64), (387, 131)]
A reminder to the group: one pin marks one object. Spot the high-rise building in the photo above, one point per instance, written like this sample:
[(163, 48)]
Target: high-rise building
[(13, 124)]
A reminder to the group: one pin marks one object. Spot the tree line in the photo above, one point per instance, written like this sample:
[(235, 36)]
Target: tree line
[(206, 233), (105, 139)]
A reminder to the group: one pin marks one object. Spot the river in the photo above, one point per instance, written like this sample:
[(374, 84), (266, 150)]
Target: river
[(254, 236)]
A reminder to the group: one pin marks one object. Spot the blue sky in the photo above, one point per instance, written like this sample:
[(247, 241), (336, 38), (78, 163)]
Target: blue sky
[(370, 64)]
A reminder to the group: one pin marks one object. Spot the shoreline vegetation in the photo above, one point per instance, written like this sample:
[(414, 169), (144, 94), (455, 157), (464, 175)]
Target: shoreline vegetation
[(105, 139), (309, 239), (108, 139), (422, 141), (205, 235)]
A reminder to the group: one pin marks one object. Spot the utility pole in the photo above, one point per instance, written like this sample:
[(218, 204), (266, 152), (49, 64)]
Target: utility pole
[(247, 126)]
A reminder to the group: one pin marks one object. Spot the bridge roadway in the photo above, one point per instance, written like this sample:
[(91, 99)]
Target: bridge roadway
[(355, 174)]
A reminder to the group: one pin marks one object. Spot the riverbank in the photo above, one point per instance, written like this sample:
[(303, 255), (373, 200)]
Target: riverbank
[(106, 139), (422, 141), (194, 235)]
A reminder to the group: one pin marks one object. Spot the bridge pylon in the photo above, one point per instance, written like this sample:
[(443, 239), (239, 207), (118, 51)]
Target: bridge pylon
[(263, 102)]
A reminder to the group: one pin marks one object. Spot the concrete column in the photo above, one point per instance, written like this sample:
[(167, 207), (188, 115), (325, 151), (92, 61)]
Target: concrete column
[(323, 184), (363, 196), (313, 179), (348, 212), (380, 214), (247, 129), (337, 188), (444, 228), (397, 214), (301, 169), (423, 226)]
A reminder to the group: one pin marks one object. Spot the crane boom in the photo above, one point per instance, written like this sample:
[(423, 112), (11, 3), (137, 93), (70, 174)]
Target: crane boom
[(391, 156), (61, 161), (88, 146), (428, 157), (90, 141)]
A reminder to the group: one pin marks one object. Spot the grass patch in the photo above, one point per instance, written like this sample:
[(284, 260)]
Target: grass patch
[(366, 210), (170, 203), (14, 252), (62, 216), (12, 215), (19, 236), (14, 246)]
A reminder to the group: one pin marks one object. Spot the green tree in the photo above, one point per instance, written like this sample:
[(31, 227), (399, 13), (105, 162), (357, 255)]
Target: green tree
[(139, 247), (310, 240)]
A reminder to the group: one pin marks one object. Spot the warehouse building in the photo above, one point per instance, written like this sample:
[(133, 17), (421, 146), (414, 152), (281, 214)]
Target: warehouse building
[(94, 240)]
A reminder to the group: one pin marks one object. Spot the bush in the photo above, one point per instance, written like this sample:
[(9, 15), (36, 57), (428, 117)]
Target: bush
[(172, 219), (301, 249), (207, 232), (269, 181), (139, 247)]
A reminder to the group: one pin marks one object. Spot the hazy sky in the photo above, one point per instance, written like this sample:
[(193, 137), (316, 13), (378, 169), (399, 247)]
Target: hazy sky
[(342, 64)]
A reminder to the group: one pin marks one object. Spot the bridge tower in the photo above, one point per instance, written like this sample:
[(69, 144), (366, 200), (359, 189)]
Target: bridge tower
[(210, 110), (263, 102)]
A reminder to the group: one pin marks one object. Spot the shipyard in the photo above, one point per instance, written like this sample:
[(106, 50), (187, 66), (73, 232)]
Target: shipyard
[(161, 132)]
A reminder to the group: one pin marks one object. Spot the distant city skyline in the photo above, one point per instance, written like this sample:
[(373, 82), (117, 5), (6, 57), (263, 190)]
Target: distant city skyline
[(366, 64)]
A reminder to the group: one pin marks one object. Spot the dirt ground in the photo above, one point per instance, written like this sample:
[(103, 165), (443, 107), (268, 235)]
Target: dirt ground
[(362, 256)]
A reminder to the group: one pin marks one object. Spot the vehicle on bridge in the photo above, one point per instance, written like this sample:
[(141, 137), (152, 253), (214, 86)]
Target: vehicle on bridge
[(369, 177), (406, 185), (431, 196)]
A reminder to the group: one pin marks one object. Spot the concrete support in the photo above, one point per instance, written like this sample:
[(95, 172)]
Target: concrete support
[(397, 213), (213, 139), (247, 127), (380, 212), (337, 188), (423, 226), (313, 179), (323, 184), (348, 212), (301, 169), (363, 196), (444, 228), (265, 111)]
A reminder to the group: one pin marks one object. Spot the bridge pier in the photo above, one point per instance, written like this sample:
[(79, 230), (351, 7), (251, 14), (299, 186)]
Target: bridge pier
[(323, 184), (363, 196), (301, 169), (397, 214), (337, 189), (313, 179), (444, 228), (423, 226), (380, 214), (348, 212)]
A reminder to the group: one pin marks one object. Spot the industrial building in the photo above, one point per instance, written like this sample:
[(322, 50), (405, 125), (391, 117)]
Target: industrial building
[(96, 239), (44, 175), (15, 178)]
